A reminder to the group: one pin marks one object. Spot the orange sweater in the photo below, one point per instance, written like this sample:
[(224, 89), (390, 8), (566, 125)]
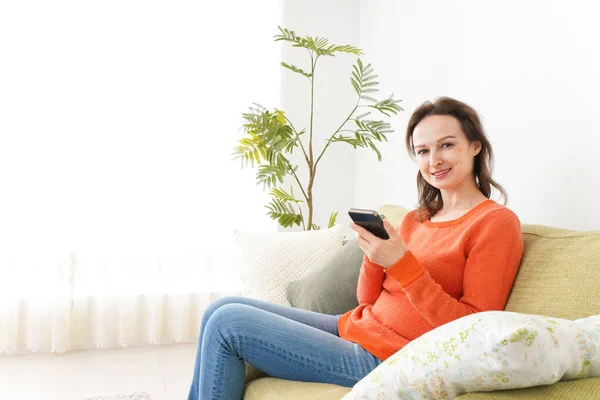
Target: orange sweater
[(452, 269)]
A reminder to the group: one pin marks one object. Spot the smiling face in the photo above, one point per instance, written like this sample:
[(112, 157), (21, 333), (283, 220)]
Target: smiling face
[(443, 153)]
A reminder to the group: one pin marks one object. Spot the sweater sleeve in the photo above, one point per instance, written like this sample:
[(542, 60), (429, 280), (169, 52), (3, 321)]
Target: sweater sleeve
[(491, 266), (370, 282)]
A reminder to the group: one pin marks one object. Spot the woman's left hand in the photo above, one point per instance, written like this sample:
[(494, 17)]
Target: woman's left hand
[(380, 251)]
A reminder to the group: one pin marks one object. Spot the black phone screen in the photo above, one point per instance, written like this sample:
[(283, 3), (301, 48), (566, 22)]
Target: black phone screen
[(370, 220)]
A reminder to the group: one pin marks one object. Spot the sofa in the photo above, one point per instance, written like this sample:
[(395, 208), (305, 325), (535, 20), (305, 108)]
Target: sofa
[(559, 276)]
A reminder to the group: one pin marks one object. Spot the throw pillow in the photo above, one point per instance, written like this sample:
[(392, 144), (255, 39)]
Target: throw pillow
[(268, 261), (331, 288), (487, 351)]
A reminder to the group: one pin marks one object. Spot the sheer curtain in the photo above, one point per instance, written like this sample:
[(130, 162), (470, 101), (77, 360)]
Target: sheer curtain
[(118, 192)]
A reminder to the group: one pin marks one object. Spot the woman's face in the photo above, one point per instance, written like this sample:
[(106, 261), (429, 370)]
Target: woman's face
[(444, 155)]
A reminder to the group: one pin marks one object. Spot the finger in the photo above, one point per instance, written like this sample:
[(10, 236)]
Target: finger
[(368, 236), (364, 245), (356, 230), (389, 228)]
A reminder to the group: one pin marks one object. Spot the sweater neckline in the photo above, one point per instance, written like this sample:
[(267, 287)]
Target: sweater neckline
[(459, 219)]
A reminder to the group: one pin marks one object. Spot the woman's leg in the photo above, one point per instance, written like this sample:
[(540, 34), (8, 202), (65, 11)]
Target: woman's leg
[(277, 345), (324, 322)]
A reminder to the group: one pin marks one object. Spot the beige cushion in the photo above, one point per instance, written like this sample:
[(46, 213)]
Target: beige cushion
[(393, 213), (251, 373), (559, 274), (271, 389), (580, 389), (281, 389), (269, 261)]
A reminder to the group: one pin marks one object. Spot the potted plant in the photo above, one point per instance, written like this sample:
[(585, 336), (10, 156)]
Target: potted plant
[(270, 137)]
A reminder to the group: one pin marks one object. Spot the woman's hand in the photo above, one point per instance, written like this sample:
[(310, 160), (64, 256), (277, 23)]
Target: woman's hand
[(380, 251)]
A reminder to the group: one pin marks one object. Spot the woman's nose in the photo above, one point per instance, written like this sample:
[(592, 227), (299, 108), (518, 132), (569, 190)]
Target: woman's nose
[(434, 159)]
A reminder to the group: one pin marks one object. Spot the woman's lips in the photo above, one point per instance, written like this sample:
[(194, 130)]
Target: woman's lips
[(441, 174)]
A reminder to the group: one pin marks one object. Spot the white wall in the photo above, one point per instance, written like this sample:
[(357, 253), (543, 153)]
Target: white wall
[(530, 69), (336, 20)]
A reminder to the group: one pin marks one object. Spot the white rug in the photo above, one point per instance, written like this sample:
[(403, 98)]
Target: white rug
[(124, 396)]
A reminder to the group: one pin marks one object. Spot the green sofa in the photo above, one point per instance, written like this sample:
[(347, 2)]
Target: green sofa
[(559, 276)]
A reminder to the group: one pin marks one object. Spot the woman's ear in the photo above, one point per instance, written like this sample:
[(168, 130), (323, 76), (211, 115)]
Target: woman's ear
[(476, 147)]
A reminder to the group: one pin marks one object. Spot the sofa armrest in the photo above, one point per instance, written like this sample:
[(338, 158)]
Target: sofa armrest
[(577, 389)]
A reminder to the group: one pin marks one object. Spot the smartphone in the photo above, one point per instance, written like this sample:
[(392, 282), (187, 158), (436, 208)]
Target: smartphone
[(370, 220)]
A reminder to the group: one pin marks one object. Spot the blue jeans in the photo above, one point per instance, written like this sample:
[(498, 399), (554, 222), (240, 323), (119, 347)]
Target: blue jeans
[(284, 342)]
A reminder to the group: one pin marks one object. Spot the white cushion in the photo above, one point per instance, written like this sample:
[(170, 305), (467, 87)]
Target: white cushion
[(269, 261), (486, 351)]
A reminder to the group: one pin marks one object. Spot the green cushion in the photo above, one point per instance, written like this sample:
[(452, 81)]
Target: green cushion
[(559, 273), (331, 288)]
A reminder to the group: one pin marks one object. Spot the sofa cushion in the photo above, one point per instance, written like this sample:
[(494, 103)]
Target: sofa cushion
[(580, 389), (559, 273), (272, 389), (331, 287), (280, 389), (269, 261)]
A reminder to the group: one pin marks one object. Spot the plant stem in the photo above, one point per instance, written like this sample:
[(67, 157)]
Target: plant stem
[(298, 181), (291, 172), (311, 171), (301, 216), (334, 133)]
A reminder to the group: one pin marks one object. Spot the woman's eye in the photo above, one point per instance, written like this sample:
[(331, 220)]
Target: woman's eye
[(421, 152), (447, 145)]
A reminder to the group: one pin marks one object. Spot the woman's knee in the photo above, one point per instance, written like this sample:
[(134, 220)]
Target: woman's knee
[(231, 313), (215, 305), (229, 320)]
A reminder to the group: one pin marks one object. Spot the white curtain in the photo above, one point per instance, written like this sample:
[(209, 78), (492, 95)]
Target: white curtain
[(118, 195)]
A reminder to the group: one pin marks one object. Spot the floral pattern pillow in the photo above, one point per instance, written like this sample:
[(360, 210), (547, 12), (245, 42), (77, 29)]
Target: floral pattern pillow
[(486, 351)]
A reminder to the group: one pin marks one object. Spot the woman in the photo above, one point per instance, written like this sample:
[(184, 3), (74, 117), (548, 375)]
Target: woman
[(456, 254)]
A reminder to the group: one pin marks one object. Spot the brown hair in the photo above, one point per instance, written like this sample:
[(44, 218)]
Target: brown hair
[(430, 197)]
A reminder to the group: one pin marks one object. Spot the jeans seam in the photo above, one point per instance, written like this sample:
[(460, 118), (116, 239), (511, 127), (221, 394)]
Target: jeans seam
[(216, 392)]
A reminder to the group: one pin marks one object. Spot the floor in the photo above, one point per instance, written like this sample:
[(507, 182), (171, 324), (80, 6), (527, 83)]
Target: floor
[(164, 372)]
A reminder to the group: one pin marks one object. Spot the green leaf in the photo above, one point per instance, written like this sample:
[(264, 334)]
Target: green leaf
[(284, 196), (372, 83), (332, 219), (356, 86), (315, 227), (368, 98), (319, 46), (358, 117), (286, 35), (270, 175), (283, 213), (388, 106), (370, 90), (296, 70), (374, 148)]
